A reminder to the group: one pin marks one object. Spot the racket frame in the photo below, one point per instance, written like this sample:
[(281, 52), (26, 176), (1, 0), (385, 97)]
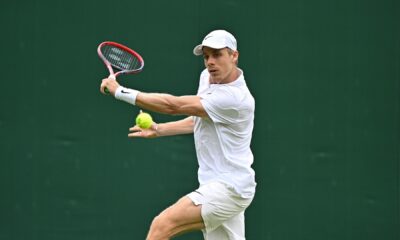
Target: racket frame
[(110, 66)]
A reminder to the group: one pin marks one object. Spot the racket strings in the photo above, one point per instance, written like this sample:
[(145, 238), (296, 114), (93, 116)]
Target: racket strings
[(120, 59)]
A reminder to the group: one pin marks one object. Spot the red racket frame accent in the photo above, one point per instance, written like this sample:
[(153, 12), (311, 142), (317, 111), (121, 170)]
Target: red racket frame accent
[(125, 48)]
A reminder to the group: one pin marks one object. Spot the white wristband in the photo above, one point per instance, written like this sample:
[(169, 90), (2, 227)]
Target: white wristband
[(126, 94)]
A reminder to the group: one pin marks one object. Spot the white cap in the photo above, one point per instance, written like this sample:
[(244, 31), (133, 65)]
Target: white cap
[(216, 39)]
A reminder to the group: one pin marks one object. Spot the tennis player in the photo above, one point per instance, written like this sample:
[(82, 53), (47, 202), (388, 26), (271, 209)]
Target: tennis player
[(221, 117)]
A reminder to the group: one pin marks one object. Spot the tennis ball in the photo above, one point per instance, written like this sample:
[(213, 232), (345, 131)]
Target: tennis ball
[(144, 120)]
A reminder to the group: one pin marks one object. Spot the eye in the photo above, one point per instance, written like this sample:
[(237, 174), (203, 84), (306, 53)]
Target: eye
[(217, 54)]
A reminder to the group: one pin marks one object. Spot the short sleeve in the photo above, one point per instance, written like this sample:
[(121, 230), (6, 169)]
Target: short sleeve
[(222, 104)]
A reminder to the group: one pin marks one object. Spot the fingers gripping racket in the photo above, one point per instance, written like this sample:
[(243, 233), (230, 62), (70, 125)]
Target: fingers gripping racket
[(119, 59)]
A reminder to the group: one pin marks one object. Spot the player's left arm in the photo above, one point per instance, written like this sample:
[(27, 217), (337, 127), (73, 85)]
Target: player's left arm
[(183, 126)]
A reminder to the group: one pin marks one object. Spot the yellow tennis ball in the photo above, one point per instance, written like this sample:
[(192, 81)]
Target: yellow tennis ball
[(144, 120)]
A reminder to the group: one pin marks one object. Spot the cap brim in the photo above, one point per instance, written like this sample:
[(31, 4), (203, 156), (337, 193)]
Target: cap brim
[(198, 50)]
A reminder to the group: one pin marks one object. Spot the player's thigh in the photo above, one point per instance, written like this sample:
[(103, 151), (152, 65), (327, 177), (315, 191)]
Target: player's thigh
[(183, 212), (231, 229)]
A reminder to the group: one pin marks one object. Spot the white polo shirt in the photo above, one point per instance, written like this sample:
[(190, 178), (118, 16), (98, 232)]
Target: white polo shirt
[(223, 140)]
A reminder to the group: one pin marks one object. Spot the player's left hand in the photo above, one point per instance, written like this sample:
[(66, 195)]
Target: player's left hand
[(136, 131)]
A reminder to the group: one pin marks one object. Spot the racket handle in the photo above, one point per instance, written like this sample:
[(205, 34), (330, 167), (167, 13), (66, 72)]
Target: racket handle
[(112, 76)]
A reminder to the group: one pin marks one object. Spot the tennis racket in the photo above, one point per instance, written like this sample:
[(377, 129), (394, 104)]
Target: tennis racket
[(119, 59)]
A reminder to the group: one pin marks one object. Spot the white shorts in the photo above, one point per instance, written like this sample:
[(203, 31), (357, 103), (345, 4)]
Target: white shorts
[(222, 211)]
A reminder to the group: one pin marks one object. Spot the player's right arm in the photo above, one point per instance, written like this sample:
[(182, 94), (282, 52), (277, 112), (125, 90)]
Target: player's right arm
[(189, 105), (184, 126)]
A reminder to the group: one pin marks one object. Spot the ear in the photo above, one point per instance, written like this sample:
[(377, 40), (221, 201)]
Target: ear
[(235, 56)]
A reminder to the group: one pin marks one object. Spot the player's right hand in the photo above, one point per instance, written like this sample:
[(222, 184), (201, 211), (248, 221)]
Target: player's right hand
[(110, 84)]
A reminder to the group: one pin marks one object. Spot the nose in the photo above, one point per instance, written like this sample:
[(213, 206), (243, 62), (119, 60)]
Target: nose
[(210, 61)]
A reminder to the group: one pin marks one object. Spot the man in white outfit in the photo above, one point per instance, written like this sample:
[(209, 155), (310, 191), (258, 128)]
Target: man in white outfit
[(221, 117)]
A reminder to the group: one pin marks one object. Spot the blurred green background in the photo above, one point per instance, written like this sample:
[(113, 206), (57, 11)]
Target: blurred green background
[(325, 76)]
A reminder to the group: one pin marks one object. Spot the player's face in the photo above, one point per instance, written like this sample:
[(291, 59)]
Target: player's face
[(221, 64)]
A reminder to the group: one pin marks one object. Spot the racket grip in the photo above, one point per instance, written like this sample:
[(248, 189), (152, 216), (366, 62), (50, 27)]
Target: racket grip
[(112, 76)]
